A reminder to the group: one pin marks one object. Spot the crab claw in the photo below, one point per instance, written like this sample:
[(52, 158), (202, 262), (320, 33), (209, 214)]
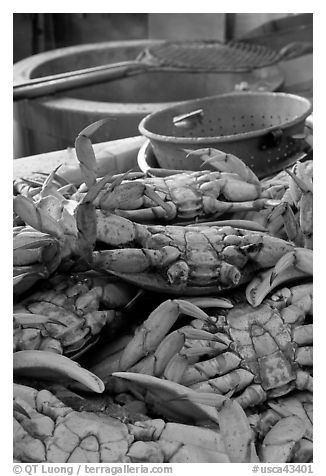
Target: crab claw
[(175, 400), (35, 217), (48, 365), (18, 408), (25, 319), (237, 435), (280, 441), (49, 188), (284, 212), (299, 259), (224, 162), (296, 264), (85, 152), (303, 185)]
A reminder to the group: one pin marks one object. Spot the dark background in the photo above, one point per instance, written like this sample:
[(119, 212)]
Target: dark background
[(37, 32)]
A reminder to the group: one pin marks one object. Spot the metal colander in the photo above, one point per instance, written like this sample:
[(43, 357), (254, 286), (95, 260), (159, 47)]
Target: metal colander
[(263, 129)]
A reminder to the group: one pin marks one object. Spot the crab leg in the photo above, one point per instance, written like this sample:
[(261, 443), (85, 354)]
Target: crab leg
[(36, 217), (288, 220), (305, 205), (212, 208), (236, 380), (135, 260), (243, 224), (217, 366)]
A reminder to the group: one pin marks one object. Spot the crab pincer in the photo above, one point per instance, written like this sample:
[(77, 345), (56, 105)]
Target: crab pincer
[(48, 365), (294, 265)]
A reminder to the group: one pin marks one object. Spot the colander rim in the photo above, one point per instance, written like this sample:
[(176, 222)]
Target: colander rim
[(225, 138)]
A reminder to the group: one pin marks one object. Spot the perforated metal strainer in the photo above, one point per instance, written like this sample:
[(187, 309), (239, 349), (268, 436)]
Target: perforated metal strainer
[(263, 129)]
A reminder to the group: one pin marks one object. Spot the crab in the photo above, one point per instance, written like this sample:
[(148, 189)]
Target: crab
[(46, 430), (249, 354), (68, 314), (54, 232), (181, 196), (63, 320), (181, 260)]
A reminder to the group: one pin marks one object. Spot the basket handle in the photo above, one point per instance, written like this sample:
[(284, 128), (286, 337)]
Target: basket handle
[(188, 119)]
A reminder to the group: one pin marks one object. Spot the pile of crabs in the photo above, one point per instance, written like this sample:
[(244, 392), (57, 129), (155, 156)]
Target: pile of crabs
[(163, 318)]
